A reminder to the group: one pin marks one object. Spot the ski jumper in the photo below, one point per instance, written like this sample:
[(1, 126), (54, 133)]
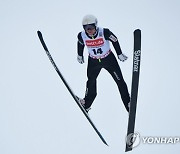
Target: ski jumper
[(101, 56)]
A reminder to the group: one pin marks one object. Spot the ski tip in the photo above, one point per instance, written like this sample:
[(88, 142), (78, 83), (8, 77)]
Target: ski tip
[(137, 31), (39, 33)]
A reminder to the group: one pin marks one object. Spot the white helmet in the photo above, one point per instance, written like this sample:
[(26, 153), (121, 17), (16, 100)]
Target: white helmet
[(89, 19)]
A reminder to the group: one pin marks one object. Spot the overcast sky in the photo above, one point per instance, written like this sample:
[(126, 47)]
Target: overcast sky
[(38, 115)]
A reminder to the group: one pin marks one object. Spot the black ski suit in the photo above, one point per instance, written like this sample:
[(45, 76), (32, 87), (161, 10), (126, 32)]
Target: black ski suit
[(109, 63)]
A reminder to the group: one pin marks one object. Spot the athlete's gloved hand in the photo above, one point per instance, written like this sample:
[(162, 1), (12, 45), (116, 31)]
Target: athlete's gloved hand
[(80, 59), (122, 57)]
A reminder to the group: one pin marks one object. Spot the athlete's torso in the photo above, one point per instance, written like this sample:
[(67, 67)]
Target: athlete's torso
[(97, 47)]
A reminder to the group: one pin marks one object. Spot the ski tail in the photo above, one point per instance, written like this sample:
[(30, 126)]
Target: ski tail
[(130, 139), (68, 87)]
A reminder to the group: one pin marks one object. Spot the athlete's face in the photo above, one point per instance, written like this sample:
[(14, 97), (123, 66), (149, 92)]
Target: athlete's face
[(91, 31)]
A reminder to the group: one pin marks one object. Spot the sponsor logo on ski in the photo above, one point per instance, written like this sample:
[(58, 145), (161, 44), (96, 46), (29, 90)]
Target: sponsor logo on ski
[(134, 139), (137, 55)]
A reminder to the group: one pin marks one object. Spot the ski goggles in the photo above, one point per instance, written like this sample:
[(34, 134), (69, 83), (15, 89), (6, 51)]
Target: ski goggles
[(89, 27)]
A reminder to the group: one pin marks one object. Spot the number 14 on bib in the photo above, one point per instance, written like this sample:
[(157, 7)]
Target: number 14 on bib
[(97, 51)]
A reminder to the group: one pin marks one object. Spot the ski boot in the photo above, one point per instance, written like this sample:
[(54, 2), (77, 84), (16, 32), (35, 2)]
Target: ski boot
[(82, 102)]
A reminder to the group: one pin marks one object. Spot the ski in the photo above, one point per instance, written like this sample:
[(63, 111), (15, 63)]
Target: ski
[(68, 87), (130, 138)]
